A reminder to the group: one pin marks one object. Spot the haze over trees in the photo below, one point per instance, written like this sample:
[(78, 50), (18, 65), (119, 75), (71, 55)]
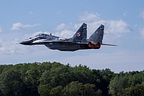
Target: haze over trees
[(56, 79)]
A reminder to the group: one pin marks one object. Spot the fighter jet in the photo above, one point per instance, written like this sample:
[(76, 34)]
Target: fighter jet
[(79, 40)]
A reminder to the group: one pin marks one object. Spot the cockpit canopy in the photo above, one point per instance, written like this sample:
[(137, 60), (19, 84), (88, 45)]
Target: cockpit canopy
[(43, 36)]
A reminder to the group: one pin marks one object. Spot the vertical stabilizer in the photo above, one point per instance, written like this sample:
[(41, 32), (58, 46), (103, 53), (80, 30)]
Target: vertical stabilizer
[(81, 34), (97, 36)]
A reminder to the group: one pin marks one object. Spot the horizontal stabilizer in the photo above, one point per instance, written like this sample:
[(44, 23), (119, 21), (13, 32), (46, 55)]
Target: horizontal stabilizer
[(109, 44)]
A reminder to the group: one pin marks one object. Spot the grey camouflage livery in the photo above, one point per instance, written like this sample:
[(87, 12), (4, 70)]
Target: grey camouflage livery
[(78, 42)]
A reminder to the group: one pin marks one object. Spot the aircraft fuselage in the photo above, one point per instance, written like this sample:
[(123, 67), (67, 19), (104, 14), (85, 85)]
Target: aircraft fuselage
[(79, 40)]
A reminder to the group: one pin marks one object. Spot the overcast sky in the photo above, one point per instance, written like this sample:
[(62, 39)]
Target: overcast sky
[(124, 26)]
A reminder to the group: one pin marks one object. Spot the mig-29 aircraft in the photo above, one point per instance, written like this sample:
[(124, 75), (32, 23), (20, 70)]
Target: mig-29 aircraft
[(78, 42)]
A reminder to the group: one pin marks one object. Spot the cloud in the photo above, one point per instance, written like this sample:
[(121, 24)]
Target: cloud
[(0, 29), (89, 17), (142, 33), (12, 46), (61, 26), (113, 28), (64, 33), (116, 28), (18, 26), (64, 30), (142, 14), (59, 12)]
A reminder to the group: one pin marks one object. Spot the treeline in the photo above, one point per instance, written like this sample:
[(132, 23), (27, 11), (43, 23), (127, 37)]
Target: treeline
[(56, 79)]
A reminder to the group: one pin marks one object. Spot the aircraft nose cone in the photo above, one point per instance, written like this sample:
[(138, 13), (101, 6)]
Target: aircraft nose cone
[(25, 43)]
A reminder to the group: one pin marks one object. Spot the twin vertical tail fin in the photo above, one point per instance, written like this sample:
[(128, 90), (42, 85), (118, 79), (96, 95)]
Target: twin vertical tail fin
[(95, 40), (97, 36), (81, 34)]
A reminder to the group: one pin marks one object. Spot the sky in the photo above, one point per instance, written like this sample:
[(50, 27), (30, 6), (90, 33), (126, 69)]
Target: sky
[(123, 21)]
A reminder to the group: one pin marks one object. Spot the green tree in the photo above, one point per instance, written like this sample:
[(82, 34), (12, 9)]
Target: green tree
[(117, 85), (44, 90), (57, 91), (127, 83), (137, 90), (79, 89), (11, 84)]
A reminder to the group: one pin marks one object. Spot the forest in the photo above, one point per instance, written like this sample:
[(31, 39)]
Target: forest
[(56, 79)]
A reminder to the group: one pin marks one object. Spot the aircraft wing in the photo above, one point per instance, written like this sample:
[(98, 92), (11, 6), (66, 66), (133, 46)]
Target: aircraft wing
[(54, 41)]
